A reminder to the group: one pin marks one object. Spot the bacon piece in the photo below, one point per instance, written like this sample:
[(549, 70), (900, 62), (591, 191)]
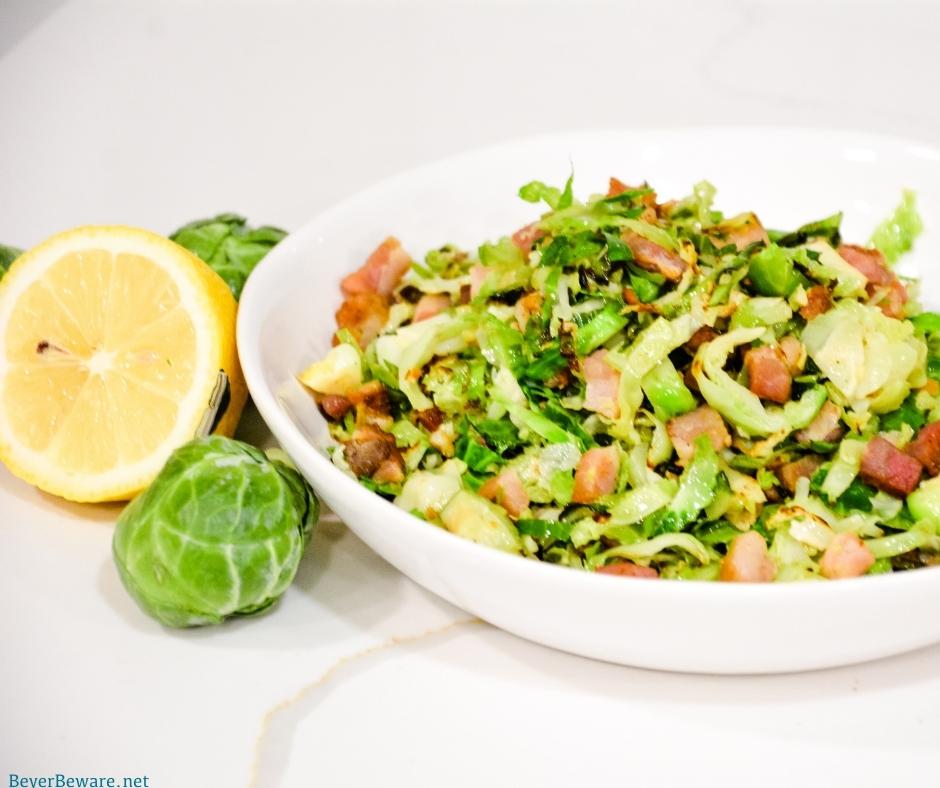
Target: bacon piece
[(768, 373), (363, 314), (742, 231), (506, 490), (373, 396), (654, 257), (603, 384), (925, 448), (381, 272), (627, 569), (391, 470), (526, 237), (367, 449), (596, 474), (893, 299), (684, 429), (478, 276), (881, 279), (430, 419), (747, 560), (826, 427), (335, 406), (888, 468), (804, 468), (429, 305), (846, 556), (869, 262), (699, 338), (617, 187), (530, 304), (818, 300), (793, 353)]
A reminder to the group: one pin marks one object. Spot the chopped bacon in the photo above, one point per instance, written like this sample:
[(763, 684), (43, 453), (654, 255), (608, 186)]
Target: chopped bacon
[(893, 299), (430, 419), (530, 304), (478, 276), (596, 474), (363, 314), (372, 395), (803, 468), (846, 556), (627, 569), (617, 187), (465, 294), (429, 305), (684, 429), (826, 427), (742, 231), (559, 380), (888, 468), (747, 560), (335, 406), (506, 489), (793, 352), (881, 279), (630, 296), (925, 448), (391, 470), (869, 262), (526, 237), (367, 449), (768, 373), (603, 384), (382, 272), (699, 338), (654, 257), (818, 300)]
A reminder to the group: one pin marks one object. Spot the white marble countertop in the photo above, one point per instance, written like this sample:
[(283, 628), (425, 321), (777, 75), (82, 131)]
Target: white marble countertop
[(156, 113)]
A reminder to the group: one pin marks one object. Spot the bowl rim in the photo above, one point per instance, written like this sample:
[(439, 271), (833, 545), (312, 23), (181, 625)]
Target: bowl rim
[(278, 260)]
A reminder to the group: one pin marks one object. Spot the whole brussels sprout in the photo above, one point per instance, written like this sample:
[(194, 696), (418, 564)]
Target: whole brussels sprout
[(219, 533)]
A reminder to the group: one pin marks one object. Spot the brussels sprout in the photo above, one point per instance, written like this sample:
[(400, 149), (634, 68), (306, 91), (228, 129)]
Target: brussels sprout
[(219, 533), (228, 245), (7, 255)]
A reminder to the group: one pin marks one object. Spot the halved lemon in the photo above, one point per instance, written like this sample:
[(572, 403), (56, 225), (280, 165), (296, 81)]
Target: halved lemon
[(118, 345)]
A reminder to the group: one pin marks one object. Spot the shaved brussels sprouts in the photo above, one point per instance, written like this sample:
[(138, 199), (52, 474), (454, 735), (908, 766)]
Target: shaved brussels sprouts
[(219, 533)]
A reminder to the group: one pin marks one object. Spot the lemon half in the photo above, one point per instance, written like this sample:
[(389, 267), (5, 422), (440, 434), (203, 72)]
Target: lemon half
[(118, 345)]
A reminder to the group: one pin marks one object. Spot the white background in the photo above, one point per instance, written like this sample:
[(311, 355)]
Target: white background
[(155, 113)]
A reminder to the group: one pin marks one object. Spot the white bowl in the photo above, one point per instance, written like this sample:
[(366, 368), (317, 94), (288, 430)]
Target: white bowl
[(788, 176)]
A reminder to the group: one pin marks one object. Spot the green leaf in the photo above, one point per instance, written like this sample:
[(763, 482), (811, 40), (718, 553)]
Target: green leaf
[(645, 288), (827, 229), (771, 272), (856, 498), (500, 434), (230, 248), (567, 196), (545, 529), (696, 489), (546, 364), (895, 235), (617, 249), (908, 413), (928, 322), (536, 191), (667, 392), (600, 328), (7, 255)]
